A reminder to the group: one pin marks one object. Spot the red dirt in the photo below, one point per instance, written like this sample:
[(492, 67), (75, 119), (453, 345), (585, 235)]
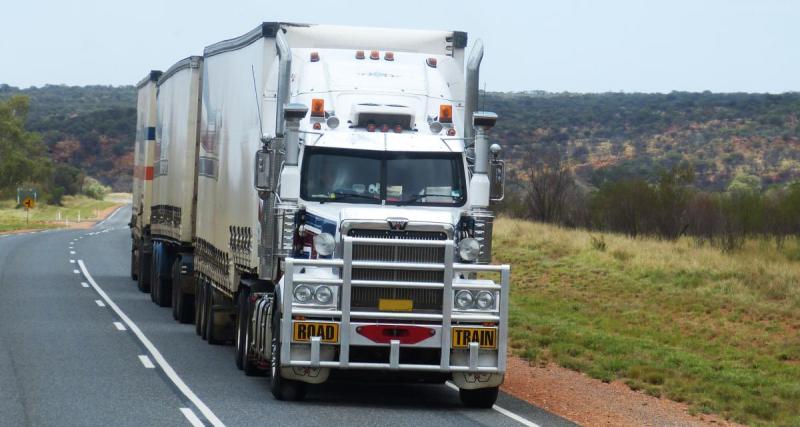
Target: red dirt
[(590, 402)]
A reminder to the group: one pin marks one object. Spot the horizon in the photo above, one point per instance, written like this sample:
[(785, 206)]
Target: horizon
[(532, 92)]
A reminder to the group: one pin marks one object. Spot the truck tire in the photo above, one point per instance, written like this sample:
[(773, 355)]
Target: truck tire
[(134, 273), (153, 279), (282, 388), (212, 331), (245, 356), (143, 279), (198, 306), (479, 398), (175, 274)]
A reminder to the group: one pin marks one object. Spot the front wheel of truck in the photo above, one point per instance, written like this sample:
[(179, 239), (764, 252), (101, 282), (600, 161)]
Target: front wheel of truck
[(282, 388), (479, 398)]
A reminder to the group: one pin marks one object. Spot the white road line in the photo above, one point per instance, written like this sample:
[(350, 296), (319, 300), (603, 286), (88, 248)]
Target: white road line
[(193, 420), (72, 252), (504, 411), (84, 284), (146, 361), (76, 271), (72, 261), (100, 303), (162, 363), (119, 326), (109, 217)]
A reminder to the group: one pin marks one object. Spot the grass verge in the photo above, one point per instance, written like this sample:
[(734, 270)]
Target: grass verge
[(47, 216), (718, 331)]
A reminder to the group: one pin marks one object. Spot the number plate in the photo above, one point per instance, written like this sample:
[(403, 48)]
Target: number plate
[(395, 304), (486, 337), (328, 332)]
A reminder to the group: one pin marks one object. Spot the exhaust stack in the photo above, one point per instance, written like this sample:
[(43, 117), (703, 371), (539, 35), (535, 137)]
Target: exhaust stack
[(472, 89)]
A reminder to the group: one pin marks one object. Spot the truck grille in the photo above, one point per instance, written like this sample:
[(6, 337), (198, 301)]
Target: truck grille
[(423, 299)]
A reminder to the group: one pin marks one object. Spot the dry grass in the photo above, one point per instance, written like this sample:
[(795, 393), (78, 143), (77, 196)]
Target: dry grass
[(45, 216), (719, 331)]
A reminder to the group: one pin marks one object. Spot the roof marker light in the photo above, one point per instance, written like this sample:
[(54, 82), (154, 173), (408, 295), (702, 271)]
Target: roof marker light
[(398, 128), (315, 56), (317, 107), (445, 113), (389, 56), (451, 132), (317, 126), (385, 128), (375, 55), (431, 62), (359, 54)]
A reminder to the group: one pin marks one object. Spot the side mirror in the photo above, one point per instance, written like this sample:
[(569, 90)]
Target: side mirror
[(261, 175), (497, 180), (497, 175)]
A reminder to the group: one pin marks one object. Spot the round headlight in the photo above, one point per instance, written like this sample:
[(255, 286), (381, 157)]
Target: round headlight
[(484, 300), (303, 294), (324, 244), (464, 299), (469, 249), (323, 295)]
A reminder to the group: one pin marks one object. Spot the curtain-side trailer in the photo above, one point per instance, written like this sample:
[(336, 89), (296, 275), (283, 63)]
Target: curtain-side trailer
[(174, 199), (141, 247)]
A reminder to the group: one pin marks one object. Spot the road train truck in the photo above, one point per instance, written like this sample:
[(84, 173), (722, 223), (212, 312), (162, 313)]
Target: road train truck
[(339, 207)]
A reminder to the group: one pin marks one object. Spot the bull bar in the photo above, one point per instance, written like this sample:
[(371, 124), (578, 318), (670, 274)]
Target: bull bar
[(344, 314)]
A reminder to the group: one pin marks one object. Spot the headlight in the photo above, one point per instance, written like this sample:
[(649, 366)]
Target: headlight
[(324, 244), (469, 249), (303, 294), (323, 295), (484, 300), (464, 300)]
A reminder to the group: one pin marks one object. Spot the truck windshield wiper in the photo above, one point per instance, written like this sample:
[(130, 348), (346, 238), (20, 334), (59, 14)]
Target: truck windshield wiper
[(416, 197), (343, 194)]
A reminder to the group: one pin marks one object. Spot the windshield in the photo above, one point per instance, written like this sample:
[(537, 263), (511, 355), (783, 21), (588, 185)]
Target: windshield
[(362, 176)]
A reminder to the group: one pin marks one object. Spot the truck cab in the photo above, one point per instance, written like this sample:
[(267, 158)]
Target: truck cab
[(390, 232)]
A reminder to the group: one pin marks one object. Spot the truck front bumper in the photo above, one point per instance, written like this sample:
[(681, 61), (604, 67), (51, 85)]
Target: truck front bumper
[(478, 363)]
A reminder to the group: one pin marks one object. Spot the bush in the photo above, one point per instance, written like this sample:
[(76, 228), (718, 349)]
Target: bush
[(94, 189)]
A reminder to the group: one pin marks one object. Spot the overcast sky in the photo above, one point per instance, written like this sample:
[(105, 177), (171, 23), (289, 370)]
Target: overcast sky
[(556, 45)]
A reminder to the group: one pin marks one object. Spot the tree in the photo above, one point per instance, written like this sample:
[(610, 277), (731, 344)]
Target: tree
[(22, 154), (547, 184)]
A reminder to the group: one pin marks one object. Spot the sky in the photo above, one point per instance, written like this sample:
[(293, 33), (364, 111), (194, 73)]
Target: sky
[(556, 45)]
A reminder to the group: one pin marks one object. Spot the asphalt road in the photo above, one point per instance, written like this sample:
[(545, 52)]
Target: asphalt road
[(80, 345)]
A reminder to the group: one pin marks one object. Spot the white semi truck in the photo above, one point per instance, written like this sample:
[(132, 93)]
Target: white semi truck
[(337, 212)]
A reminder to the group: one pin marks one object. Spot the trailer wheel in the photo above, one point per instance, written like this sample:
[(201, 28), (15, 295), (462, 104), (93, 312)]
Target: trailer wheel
[(211, 326), (134, 274), (282, 388), (176, 286), (479, 398), (198, 299), (143, 280)]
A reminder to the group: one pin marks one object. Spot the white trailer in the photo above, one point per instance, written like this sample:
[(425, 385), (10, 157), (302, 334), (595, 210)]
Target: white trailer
[(343, 186), (174, 198), (141, 248)]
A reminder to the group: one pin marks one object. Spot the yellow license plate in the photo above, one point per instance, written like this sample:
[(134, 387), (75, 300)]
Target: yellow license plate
[(328, 332), (395, 304), (486, 337)]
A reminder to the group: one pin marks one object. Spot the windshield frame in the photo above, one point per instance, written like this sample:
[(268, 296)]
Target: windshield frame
[(455, 157)]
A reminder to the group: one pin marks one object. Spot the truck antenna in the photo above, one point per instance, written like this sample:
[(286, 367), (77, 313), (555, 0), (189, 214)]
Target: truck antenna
[(258, 104)]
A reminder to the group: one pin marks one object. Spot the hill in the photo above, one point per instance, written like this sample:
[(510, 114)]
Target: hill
[(92, 127), (604, 136), (612, 135)]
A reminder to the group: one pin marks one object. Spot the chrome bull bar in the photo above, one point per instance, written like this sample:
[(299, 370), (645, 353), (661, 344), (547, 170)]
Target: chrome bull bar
[(345, 316)]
